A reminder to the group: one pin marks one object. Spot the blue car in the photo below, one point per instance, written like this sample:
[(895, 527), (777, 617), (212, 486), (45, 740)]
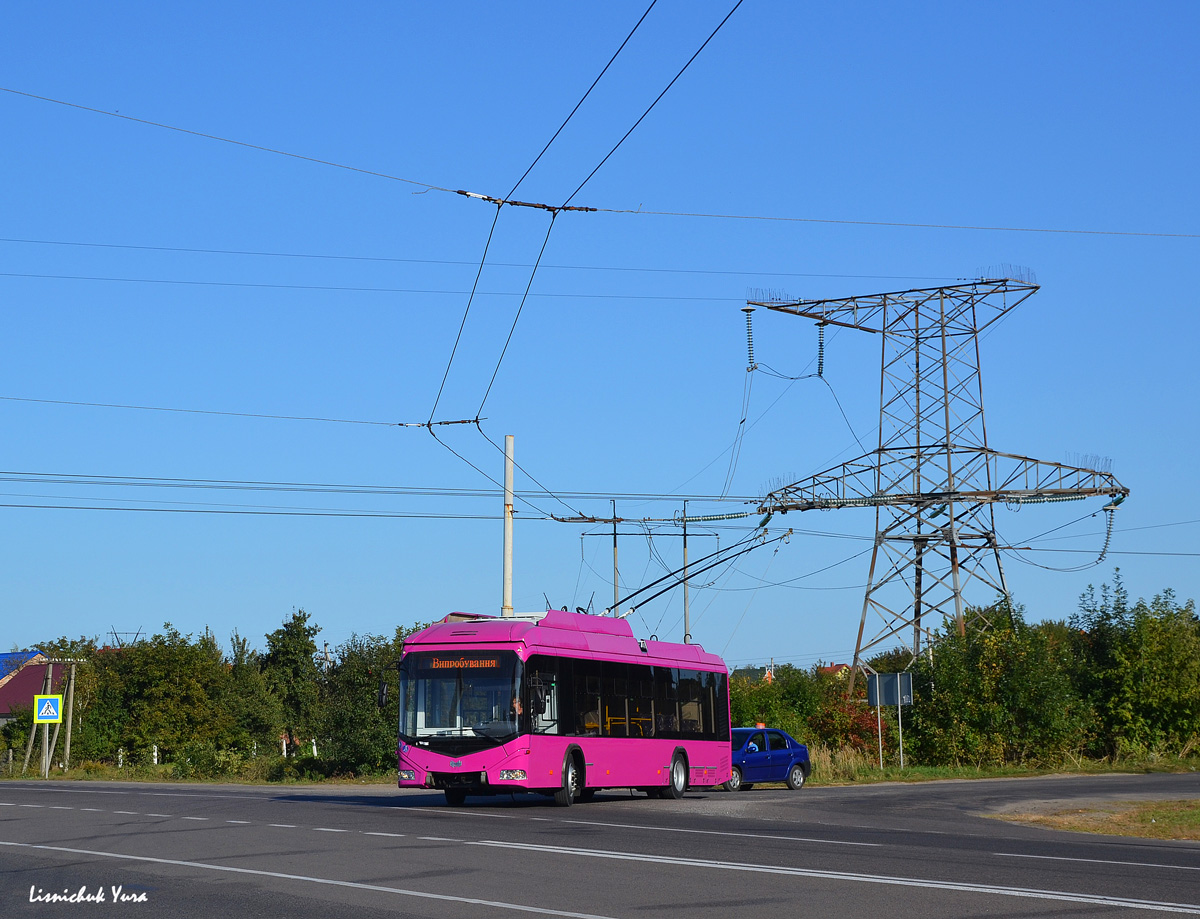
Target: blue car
[(767, 755)]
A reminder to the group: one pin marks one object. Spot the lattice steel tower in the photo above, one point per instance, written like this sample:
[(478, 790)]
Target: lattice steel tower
[(933, 480)]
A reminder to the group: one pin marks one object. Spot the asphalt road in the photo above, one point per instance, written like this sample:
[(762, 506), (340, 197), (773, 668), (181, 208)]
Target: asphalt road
[(875, 851)]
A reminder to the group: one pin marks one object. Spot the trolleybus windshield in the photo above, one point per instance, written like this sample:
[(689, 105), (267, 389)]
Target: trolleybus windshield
[(460, 694)]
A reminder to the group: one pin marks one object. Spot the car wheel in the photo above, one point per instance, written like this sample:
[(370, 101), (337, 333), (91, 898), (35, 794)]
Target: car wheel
[(678, 780), (570, 790), (735, 780), (456, 797), (795, 777)]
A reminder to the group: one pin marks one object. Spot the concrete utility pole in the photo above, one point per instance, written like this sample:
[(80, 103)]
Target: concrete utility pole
[(687, 625), (616, 586), (70, 717), (33, 727), (506, 607)]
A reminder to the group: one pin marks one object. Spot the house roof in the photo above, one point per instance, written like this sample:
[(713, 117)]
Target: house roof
[(21, 678), (13, 661)]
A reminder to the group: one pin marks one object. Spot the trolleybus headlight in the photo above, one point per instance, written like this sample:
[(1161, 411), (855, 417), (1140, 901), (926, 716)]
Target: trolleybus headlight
[(512, 775), (407, 775)]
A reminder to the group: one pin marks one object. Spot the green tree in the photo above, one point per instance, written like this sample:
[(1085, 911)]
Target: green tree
[(293, 676), (1140, 669), (995, 696), (254, 710), (172, 689)]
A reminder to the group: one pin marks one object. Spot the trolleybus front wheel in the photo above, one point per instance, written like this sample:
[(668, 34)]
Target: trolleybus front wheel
[(572, 786)]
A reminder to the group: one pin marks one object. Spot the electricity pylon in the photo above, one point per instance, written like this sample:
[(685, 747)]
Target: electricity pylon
[(933, 480)]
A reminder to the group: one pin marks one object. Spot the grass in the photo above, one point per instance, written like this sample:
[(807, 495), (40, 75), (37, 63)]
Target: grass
[(1151, 820), (260, 771), (845, 766)]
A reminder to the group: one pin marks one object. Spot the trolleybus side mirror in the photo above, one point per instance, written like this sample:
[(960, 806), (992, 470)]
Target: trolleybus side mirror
[(381, 697)]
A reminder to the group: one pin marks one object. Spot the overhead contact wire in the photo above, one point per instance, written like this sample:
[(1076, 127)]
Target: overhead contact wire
[(652, 104)]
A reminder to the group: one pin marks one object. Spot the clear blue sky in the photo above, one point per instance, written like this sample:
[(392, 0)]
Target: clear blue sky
[(625, 373)]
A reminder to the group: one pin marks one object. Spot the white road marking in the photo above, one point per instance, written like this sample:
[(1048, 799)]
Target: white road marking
[(29, 805), (94, 810), (285, 826), (397, 835), (446, 898), (1098, 861), (438, 839), (127, 813), (61, 807), (237, 821), (673, 829), (195, 818), (325, 829), (160, 815), (445, 811), (1192, 909)]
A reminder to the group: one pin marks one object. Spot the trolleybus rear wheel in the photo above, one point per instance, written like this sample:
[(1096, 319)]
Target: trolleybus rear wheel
[(679, 777)]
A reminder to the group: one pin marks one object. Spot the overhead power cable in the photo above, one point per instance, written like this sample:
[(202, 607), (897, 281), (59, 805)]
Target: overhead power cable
[(460, 262), (257, 513), (203, 411), (369, 290), (894, 223), (228, 140), (611, 210), (84, 479), (1117, 552)]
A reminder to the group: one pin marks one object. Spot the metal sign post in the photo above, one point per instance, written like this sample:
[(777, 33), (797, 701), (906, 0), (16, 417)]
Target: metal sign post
[(47, 710), (890, 689)]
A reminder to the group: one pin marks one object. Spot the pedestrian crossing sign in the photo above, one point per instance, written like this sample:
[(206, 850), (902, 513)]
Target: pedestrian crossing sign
[(47, 709)]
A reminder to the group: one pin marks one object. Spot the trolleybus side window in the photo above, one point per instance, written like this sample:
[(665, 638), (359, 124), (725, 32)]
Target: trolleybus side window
[(614, 697), (587, 697), (666, 701), (641, 703), (544, 696)]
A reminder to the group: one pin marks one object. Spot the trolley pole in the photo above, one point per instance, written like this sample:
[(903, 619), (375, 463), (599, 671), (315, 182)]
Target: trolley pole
[(506, 608)]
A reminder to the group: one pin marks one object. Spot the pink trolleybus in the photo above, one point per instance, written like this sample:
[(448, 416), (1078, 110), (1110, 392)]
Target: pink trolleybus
[(558, 703)]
